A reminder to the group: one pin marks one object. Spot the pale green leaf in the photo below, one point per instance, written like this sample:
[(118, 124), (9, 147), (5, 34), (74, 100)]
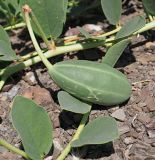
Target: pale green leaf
[(112, 10), (131, 26), (149, 5), (100, 131), (70, 103), (34, 127), (4, 36), (6, 52), (84, 32), (114, 52)]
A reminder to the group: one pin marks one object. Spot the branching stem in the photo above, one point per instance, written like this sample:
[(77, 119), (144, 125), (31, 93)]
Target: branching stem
[(27, 10), (8, 71)]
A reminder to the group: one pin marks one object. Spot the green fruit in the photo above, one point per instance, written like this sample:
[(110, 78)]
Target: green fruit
[(92, 82)]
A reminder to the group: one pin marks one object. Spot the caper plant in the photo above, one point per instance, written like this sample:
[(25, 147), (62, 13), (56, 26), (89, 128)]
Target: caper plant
[(83, 82)]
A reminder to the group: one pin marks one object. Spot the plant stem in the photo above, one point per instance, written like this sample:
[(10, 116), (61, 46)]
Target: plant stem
[(33, 38), (76, 136), (8, 71), (19, 25), (14, 149), (34, 19)]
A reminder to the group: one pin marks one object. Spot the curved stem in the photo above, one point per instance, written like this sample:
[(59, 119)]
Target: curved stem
[(14, 149), (34, 19), (33, 38), (76, 136)]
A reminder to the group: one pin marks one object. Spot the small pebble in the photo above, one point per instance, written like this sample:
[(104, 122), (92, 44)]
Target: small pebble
[(128, 140), (119, 114)]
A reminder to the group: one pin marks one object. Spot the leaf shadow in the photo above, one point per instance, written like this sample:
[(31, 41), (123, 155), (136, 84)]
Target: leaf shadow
[(69, 120), (94, 151)]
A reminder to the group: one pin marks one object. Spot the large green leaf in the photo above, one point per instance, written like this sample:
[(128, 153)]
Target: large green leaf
[(6, 52), (114, 52), (51, 15), (92, 82), (101, 130), (34, 127), (112, 10), (149, 5), (70, 103), (131, 26)]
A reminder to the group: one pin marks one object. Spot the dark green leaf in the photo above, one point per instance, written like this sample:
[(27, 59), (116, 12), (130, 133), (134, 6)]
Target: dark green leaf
[(101, 130), (51, 15), (131, 26), (70, 103), (34, 127), (84, 32), (6, 52), (149, 5), (114, 52), (13, 4), (112, 10)]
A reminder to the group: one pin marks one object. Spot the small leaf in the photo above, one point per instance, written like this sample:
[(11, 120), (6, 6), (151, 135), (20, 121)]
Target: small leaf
[(114, 52), (100, 131), (34, 127), (6, 52), (131, 26), (84, 32), (70, 103), (14, 4), (149, 5), (4, 36), (50, 14), (112, 10)]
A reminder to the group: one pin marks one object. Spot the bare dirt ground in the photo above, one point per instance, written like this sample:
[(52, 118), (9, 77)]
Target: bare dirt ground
[(135, 118)]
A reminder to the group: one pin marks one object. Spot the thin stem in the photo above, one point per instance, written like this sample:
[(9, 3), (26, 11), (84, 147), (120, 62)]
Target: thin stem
[(14, 149), (16, 26), (34, 41), (76, 136), (34, 19), (110, 33), (2, 82)]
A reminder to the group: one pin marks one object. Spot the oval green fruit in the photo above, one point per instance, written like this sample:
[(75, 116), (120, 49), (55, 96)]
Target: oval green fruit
[(92, 82)]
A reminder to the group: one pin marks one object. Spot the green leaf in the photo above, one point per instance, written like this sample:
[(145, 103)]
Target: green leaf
[(100, 131), (84, 32), (51, 15), (6, 52), (34, 127), (70, 103), (14, 4), (4, 36), (131, 26), (149, 5), (114, 52), (112, 10)]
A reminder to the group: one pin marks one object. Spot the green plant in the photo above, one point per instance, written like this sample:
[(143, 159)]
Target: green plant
[(89, 82)]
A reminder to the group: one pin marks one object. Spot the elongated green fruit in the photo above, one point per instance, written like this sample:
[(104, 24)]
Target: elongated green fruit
[(92, 82)]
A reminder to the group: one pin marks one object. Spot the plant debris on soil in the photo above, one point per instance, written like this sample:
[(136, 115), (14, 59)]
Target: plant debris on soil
[(135, 118)]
